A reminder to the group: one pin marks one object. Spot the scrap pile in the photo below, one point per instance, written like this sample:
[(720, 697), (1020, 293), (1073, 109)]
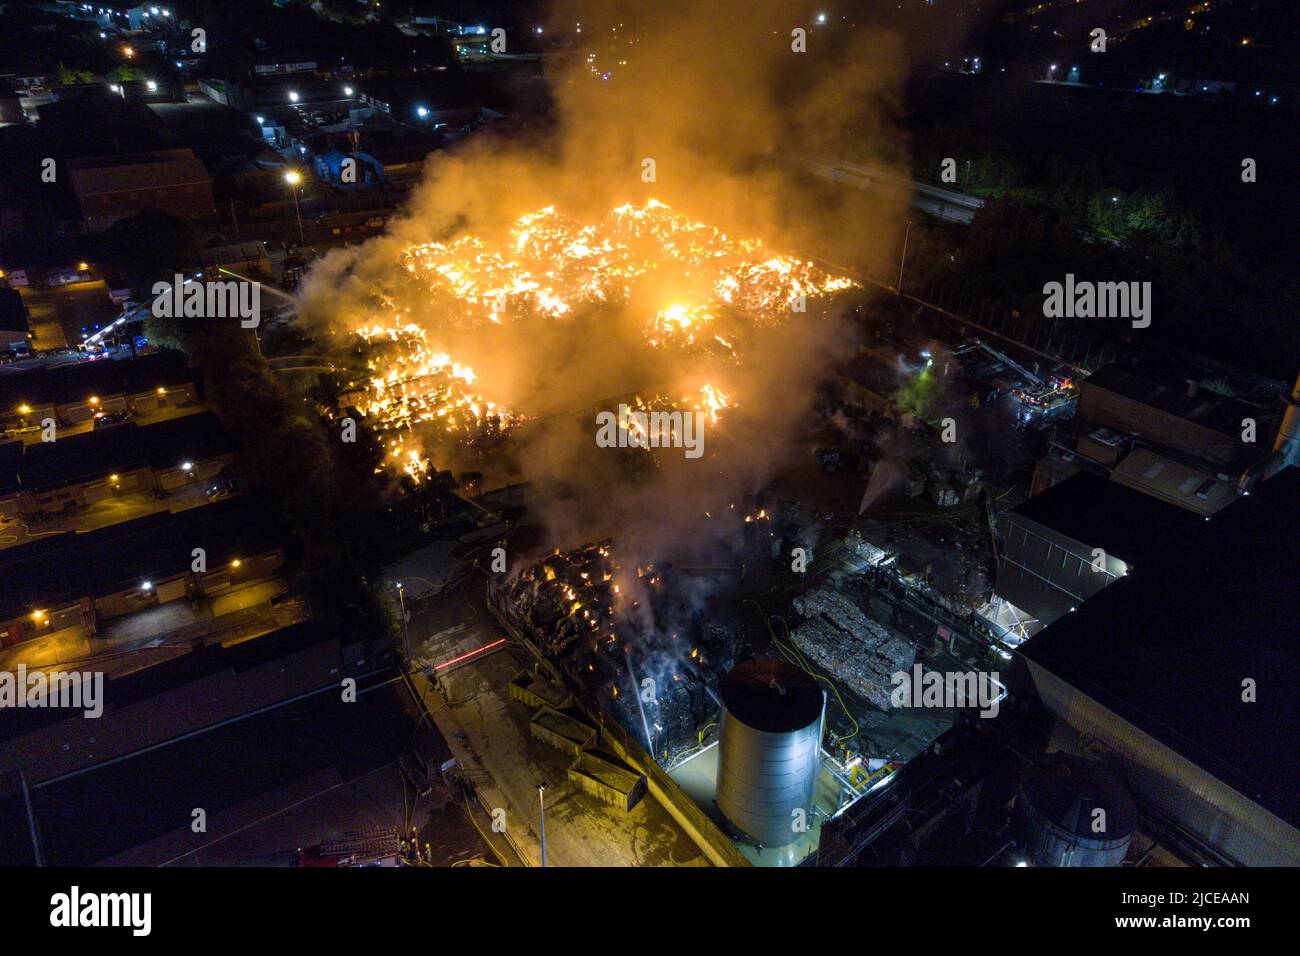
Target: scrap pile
[(849, 646), (597, 622)]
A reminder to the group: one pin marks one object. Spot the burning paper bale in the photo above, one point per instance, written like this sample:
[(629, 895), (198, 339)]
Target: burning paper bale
[(547, 268)]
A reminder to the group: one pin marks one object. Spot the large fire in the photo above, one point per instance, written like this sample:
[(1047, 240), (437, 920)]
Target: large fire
[(550, 267)]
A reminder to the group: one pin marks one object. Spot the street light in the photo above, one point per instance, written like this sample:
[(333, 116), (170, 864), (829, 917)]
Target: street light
[(406, 631), (903, 260), (293, 178), (541, 816)]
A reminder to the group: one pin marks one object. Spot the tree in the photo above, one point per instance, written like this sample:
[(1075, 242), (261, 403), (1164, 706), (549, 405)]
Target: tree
[(150, 247)]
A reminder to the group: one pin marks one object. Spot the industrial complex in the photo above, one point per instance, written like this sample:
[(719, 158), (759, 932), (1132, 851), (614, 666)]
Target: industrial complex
[(616, 436)]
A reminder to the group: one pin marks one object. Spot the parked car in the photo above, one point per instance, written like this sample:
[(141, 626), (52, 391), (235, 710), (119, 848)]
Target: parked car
[(223, 488), (109, 419)]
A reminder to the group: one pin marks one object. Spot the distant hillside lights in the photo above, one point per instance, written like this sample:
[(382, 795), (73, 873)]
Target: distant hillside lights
[(182, 298)]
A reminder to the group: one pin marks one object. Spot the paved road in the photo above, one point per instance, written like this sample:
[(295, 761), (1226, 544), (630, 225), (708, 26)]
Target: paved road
[(489, 735), (944, 203)]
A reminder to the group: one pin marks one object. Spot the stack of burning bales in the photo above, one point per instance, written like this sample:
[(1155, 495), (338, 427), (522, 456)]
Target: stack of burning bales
[(597, 623), (848, 645)]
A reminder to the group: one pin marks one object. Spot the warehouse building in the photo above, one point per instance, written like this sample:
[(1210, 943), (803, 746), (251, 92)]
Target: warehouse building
[(78, 391), (173, 181), (73, 472), (1182, 444), (1064, 545), (1185, 671), (1184, 419), (82, 579)]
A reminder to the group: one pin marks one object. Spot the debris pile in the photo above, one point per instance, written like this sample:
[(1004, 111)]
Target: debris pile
[(601, 625)]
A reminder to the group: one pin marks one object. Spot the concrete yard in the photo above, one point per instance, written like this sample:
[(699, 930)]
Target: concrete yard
[(488, 733)]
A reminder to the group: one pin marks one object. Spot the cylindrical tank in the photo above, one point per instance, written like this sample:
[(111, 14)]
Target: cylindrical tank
[(1075, 814), (769, 748)]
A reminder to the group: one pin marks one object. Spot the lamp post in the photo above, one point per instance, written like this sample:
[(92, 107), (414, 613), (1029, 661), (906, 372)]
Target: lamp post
[(541, 816), (903, 260), (406, 631), (293, 178)]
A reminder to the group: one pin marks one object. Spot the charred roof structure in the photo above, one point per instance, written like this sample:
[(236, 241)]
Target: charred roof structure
[(597, 623), (1186, 670)]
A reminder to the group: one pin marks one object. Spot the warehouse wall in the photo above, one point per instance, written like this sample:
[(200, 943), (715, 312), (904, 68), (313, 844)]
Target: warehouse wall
[(1159, 777)]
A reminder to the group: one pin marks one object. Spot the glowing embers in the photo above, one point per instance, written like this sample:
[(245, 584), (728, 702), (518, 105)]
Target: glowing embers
[(419, 387), (689, 328), (776, 285), (580, 599), (550, 264), (660, 422)]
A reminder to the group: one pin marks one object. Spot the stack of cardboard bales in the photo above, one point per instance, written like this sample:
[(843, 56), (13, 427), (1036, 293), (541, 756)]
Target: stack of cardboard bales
[(849, 646)]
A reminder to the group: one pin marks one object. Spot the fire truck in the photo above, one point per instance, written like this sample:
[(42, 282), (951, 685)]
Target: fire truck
[(378, 846)]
